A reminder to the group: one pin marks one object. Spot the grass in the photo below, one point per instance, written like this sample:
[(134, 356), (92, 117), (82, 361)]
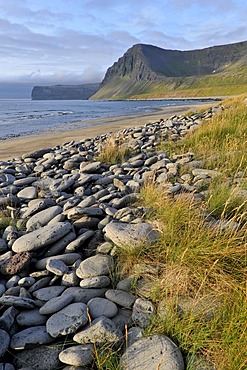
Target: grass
[(196, 274), (114, 151)]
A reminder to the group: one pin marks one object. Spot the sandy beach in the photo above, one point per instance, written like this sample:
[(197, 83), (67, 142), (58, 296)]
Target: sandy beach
[(18, 146)]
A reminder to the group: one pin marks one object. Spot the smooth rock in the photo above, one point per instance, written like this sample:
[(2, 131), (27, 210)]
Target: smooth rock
[(42, 237), (80, 355), (30, 318), (130, 235), (95, 266), (102, 307), (84, 295), (17, 301), (55, 304), (32, 335), (42, 218), (68, 320), (143, 312), (152, 353), (56, 266), (122, 298), (47, 293), (95, 282), (68, 259), (28, 193)]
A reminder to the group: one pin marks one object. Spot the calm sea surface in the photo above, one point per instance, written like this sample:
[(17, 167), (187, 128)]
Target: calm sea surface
[(26, 117)]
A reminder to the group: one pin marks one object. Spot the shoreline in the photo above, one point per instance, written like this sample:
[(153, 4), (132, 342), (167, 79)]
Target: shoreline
[(14, 147)]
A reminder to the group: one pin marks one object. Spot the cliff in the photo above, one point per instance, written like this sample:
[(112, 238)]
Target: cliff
[(64, 92), (147, 69)]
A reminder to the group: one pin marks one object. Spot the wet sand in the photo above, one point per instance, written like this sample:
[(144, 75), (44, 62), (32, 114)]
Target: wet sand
[(13, 148)]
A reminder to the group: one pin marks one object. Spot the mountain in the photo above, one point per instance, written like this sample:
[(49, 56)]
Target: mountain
[(64, 92), (148, 71)]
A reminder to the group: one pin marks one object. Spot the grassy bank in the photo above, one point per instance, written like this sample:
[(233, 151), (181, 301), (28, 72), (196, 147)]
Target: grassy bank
[(196, 274)]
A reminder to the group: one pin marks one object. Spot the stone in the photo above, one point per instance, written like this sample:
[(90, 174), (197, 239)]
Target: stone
[(68, 259), (80, 355), (56, 266), (143, 312), (7, 318), (30, 192), (47, 293), (122, 298), (130, 235), (16, 263), (101, 330), (17, 301), (84, 295), (68, 320), (152, 353), (101, 307), (97, 265), (30, 336), (79, 242), (26, 281), (95, 282), (37, 205), (42, 237), (93, 167), (55, 304), (42, 357), (30, 318), (4, 342), (43, 217)]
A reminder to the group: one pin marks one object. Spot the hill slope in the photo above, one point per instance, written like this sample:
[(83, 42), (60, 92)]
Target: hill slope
[(149, 71)]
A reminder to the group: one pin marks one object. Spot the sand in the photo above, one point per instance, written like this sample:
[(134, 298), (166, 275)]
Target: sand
[(12, 148)]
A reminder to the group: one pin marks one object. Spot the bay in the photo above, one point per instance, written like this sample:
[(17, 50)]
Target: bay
[(20, 117)]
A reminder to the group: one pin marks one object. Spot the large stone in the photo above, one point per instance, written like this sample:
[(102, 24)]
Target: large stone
[(95, 266), (4, 342), (42, 237), (80, 355), (23, 302), (32, 335), (55, 304), (47, 293), (152, 353), (68, 320), (30, 318), (101, 330), (84, 295), (28, 193), (43, 217), (39, 358), (122, 298), (130, 235), (102, 307)]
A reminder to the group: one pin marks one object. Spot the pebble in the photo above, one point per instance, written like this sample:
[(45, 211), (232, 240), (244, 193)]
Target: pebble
[(97, 265), (102, 307), (55, 304), (80, 355)]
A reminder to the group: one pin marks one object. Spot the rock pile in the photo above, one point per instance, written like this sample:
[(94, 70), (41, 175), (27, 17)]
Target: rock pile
[(57, 262)]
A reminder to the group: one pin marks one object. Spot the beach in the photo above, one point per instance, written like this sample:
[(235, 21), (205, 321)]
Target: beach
[(12, 148)]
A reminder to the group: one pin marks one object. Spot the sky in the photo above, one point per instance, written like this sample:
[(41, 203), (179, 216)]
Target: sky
[(75, 41)]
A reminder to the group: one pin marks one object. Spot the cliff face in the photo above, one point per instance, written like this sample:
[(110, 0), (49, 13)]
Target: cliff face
[(64, 92), (144, 64)]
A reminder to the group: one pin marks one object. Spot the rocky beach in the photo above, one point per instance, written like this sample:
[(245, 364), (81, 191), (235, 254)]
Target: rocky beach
[(64, 214)]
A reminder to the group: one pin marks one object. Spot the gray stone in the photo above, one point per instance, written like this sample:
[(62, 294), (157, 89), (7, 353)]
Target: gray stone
[(4, 342), (7, 318), (47, 293), (39, 358), (152, 353), (93, 167), (80, 355), (122, 319), (55, 304), (143, 312), (84, 295), (17, 301), (60, 245), (28, 193), (101, 330), (32, 335), (42, 218), (30, 318), (95, 282), (79, 242), (6, 366), (37, 205), (122, 298), (42, 237), (56, 266), (102, 307), (95, 266), (126, 283), (68, 320), (68, 259), (130, 235), (39, 284), (26, 281)]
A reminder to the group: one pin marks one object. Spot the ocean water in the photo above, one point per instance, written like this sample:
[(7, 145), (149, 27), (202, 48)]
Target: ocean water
[(26, 117)]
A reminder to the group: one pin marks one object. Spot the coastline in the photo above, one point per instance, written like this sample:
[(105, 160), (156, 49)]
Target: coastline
[(15, 147)]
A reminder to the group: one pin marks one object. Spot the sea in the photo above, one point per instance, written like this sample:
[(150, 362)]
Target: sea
[(23, 117)]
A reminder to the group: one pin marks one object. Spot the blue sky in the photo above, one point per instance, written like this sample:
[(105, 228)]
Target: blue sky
[(75, 41)]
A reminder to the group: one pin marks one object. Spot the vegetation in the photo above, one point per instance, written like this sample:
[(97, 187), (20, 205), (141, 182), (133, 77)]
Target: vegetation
[(114, 151), (196, 273)]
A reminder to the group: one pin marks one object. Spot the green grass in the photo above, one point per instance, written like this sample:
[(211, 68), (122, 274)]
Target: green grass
[(195, 263)]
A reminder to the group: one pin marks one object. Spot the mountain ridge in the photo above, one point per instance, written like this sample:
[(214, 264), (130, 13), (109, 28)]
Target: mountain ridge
[(64, 92), (143, 67)]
